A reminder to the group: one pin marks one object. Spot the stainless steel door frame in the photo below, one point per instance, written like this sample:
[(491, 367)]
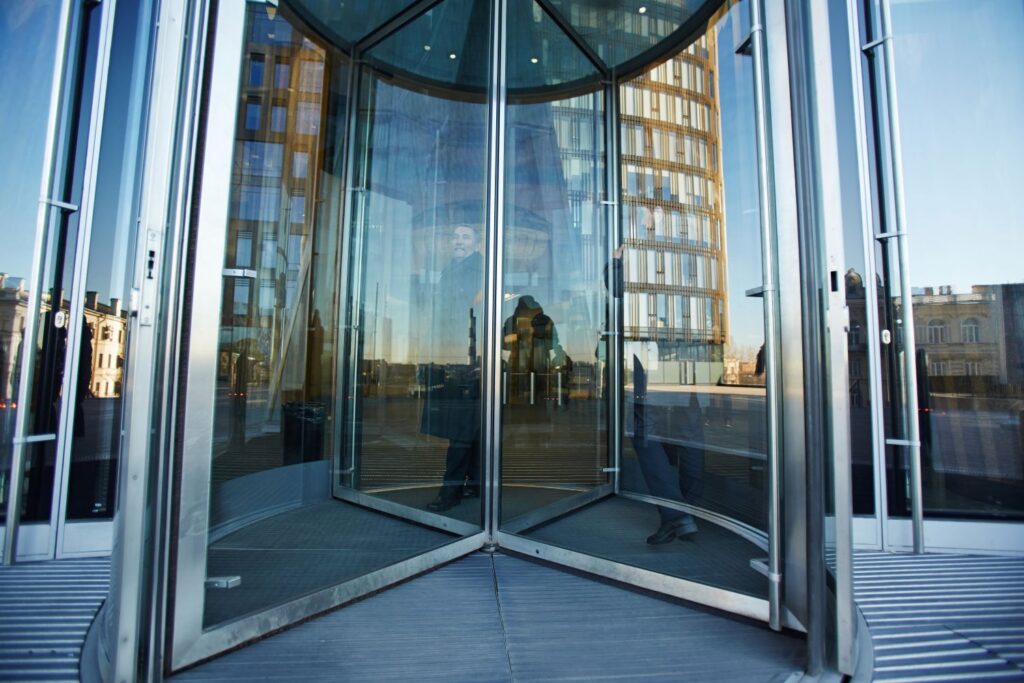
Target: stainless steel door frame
[(825, 326), (193, 508), (90, 542), (700, 593), (771, 610), (64, 61), (190, 643), (877, 528), (67, 61)]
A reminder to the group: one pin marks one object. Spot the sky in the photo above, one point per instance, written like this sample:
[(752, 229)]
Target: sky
[(960, 80), (28, 32), (739, 163), (26, 70)]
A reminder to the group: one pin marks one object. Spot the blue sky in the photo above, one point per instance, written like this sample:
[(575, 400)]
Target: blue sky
[(960, 79), (27, 27)]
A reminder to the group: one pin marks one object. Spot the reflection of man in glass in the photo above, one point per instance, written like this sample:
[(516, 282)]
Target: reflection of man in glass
[(650, 428), (530, 337), (452, 406)]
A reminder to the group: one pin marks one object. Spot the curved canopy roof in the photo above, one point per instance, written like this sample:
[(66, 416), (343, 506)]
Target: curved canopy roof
[(551, 43)]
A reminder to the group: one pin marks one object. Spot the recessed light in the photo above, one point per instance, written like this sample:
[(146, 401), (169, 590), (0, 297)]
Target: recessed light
[(642, 10), (426, 48), (451, 55), (533, 60)]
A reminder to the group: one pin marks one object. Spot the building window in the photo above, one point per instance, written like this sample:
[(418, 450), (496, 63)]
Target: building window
[(969, 331), (311, 76), (252, 115), (243, 249), (241, 297), (307, 118), (297, 209), (278, 119), (938, 332), (300, 164), (282, 75), (105, 334), (256, 64), (972, 368)]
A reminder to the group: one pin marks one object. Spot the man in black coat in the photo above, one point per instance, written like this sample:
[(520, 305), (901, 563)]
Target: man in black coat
[(452, 407)]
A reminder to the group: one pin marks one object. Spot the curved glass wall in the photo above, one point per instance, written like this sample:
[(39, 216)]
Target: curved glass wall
[(694, 440), (400, 210), (416, 274)]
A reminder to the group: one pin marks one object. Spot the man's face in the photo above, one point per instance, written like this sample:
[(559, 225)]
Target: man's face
[(463, 241)]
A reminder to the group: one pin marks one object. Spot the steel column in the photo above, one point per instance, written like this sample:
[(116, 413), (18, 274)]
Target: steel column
[(613, 336), (495, 252), (769, 264), (913, 432), (872, 332)]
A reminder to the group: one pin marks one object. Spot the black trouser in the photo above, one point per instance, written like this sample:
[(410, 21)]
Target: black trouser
[(462, 461)]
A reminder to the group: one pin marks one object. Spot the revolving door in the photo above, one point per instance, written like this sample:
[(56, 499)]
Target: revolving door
[(477, 275)]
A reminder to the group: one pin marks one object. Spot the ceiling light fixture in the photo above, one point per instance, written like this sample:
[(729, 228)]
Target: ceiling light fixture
[(643, 9), (426, 48), (451, 55), (533, 60)]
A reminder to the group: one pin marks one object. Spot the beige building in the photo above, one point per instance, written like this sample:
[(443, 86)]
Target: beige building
[(107, 328), (962, 335)]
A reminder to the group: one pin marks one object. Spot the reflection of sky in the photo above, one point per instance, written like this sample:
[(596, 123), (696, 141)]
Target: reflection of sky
[(109, 265), (739, 163), (960, 79), (27, 33)]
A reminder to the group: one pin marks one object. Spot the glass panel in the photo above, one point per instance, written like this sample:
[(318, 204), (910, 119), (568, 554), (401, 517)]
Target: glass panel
[(619, 32), (29, 38), (857, 295), (694, 389), (539, 53), (694, 370), (54, 318), (349, 21), (694, 386), (968, 292), (417, 289), (272, 521), (447, 45), (554, 357), (95, 441)]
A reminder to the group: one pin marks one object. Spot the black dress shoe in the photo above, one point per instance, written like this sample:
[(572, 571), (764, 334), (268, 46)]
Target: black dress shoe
[(442, 503), (666, 533), (470, 491), (683, 529)]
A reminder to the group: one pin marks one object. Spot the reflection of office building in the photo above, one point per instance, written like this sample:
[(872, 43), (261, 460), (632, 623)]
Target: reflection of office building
[(673, 216), (269, 249), (976, 334), (107, 329), (108, 326), (13, 305), (673, 219)]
